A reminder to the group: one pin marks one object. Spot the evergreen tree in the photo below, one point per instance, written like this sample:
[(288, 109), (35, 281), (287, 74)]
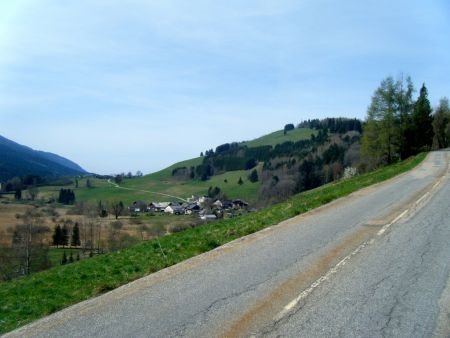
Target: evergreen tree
[(78, 256), (240, 182), (57, 236), (75, 240), (441, 125), (422, 122), (64, 235), (101, 209), (287, 128), (253, 177), (18, 194), (405, 107), (66, 196), (64, 258), (71, 257)]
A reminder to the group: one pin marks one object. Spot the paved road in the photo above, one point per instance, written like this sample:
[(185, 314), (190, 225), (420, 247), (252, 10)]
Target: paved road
[(360, 266)]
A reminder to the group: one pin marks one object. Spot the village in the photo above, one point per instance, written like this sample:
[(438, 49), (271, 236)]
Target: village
[(205, 207)]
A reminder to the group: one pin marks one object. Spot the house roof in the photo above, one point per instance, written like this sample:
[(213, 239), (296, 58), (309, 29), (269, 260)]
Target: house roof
[(239, 201), (160, 204), (193, 206), (175, 207)]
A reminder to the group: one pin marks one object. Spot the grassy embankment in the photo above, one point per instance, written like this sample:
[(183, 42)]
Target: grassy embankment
[(26, 299), (163, 182)]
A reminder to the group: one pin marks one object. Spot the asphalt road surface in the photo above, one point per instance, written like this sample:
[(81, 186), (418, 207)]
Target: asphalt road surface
[(374, 264)]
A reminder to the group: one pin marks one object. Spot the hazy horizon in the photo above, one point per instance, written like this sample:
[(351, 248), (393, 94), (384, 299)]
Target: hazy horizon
[(120, 88)]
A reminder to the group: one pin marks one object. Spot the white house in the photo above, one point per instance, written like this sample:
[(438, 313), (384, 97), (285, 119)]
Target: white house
[(159, 206), (208, 217), (218, 204), (174, 210)]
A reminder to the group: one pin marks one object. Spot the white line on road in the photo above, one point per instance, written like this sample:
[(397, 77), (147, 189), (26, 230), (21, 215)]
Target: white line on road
[(384, 228), (422, 198), (322, 279), (333, 270)]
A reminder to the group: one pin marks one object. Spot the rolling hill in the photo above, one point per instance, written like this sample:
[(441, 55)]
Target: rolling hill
[(278, 137), (152, 187), (19, 160)]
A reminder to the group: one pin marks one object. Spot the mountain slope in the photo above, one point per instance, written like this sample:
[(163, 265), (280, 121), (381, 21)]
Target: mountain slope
[(165, 182), (279, 137), (276, 158), (19, 160)]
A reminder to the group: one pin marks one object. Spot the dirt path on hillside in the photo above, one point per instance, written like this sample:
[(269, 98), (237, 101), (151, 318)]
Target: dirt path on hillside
[(145, 191)]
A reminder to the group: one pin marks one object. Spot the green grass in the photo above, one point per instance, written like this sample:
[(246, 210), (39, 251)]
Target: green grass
[(163, 182), (278, 137), (29, 298), (55, 254), (227, 182)]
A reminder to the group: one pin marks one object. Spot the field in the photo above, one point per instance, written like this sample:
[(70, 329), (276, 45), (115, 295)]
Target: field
[(155, 186), (8, 219), (142, 227), (29, 298), (278, 137)]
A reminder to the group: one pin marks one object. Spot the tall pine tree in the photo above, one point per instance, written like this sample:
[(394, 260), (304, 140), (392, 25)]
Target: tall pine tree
[(75, 240), (422, 121), (57, 236), (64, 235), (441, 125)]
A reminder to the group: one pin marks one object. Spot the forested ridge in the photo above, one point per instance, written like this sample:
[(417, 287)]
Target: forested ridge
[(397, 126)]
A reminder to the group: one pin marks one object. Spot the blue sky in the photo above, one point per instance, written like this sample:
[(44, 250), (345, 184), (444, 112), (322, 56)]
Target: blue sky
[(137, 85)]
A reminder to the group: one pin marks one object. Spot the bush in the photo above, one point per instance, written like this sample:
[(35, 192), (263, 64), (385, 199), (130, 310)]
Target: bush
[(350, 172)]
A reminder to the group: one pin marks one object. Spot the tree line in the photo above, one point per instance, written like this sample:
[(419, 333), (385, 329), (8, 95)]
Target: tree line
[(399, 125), (237, 156)]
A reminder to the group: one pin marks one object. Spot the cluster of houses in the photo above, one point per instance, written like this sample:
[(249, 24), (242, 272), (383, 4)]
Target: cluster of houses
[(205, 207)]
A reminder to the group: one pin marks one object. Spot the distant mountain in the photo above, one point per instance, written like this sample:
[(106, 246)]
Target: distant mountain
[(19, 160)]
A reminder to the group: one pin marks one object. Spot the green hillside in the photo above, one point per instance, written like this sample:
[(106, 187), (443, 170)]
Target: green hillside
[(156, 186), (278, 137), (152, 187)]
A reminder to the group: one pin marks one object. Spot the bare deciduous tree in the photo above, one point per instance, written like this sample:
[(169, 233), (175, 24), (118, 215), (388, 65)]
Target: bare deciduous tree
[(117, 208), (33, 193), (29, 246)]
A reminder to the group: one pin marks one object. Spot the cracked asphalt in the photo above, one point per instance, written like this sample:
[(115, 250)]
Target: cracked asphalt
[(393, 288), (396, 286)]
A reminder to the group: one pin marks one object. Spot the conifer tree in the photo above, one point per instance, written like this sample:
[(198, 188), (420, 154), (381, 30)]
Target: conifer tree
[(387, 134), (57, 236), (441, 125), (64, 235), (75, 240), (422, 122), (64, 258), (253, 177)]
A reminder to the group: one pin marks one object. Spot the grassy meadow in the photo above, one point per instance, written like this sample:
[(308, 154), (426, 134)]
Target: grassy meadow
[(150, 187), (278, 137)]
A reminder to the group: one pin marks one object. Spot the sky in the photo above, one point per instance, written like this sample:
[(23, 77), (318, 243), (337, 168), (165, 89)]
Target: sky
[(120, 86)]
